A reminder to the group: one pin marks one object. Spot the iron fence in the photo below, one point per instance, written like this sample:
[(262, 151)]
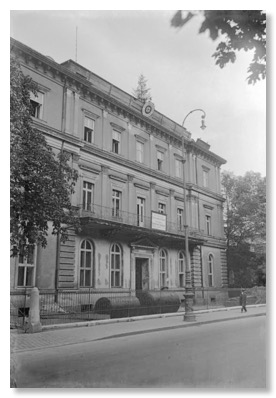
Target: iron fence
[(92, 304)]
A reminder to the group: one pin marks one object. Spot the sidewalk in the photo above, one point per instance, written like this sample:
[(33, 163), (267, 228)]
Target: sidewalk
[(76, 333)]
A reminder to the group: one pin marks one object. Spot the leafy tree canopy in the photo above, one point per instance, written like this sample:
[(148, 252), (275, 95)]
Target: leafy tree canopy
[(239, 30), (245, 227), (41, 183), (142, 92)]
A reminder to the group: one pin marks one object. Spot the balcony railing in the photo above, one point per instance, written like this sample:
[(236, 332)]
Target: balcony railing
[(124, 217)]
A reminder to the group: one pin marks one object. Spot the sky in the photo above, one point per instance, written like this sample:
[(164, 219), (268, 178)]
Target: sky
[(119, 45)]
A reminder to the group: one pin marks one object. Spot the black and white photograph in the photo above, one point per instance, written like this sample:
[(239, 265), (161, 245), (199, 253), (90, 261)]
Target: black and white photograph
[(138, 255)]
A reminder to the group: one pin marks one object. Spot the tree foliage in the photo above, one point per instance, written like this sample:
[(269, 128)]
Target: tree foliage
[(245, 225), (239, 30), (41, 184), (142, 92)]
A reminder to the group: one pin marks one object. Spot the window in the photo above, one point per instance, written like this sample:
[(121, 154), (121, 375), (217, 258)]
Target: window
[(161, 208), (87, 196), (180, 219), (205, 178), (210, 270), (139, 151), (181, 269), (208, 225), (116, 203), (86, 264), (26, 268), (116, 141), (140, 211), (37, 104), (116, 266), (88, 130), (178, 168), (160, 159), (162, 267)]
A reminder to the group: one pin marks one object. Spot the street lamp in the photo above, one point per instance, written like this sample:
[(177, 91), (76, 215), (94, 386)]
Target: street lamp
[(189, 295)]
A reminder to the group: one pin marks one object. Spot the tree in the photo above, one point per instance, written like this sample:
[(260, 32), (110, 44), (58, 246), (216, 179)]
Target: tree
[(245, 226), (142, 92), (41, 183), (239, 30)]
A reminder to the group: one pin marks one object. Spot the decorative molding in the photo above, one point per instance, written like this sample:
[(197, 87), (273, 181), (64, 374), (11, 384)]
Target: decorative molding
[(89, 113), (137, 185), (117, 127), (160, 148), (114, 177), (208, 207), (158, 192), (139, 138)]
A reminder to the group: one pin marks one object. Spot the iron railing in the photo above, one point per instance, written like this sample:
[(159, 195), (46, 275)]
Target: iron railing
[(120, 216), (92, 304)]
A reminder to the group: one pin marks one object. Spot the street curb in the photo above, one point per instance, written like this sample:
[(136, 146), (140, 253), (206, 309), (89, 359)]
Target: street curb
[(138, 318), (144, 331), (184, 325)]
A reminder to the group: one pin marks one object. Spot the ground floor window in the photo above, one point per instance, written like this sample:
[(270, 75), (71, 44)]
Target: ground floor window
[(162, 267), (210, 270), (86, 264), (26, 269), (116, 266), (181, 269)]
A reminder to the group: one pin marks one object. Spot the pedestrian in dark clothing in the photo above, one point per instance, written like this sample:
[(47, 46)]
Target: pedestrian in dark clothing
[(243, 301)]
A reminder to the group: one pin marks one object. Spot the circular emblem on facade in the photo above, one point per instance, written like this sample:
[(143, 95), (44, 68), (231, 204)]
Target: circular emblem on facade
[(148, 109)]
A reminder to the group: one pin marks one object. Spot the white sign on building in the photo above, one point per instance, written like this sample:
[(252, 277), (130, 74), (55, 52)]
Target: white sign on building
[(158, 221)]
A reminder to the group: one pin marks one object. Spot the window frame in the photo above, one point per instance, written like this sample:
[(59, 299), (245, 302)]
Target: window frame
[(116, 199), (181, 269), (162, 267), (116, 274), (180, 218), (87, 130), (38, 109), (160, 160), (25, 265), (140, 153), (140, 215), (116, 142), (208, 224), (84, 269), (210, 270), (85, 194), (178, 168), (162, 208)]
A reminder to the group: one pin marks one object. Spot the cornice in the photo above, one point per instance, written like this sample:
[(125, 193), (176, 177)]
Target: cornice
[(105, 101)]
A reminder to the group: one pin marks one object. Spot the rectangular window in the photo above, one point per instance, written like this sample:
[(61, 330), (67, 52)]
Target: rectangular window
[(116, 266), (208, 225), (25, 277), (116, 203), (37, 104), (181, 269), (205, 178), (178, 168), (139, 152), (87, 196), (116, 141), (160, 160), (88, 130), (180, 219), (210, 270), (161, 208), (140, 211)]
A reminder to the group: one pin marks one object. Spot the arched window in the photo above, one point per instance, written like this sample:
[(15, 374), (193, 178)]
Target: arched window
[(181, 269), (86, 264), (116, 266), (210, 270), (162, 267)]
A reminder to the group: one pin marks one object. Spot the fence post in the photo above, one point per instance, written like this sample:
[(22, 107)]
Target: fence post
[(34, 314)]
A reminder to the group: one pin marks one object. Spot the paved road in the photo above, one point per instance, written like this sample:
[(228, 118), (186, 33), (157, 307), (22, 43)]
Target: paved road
[(223, 355)]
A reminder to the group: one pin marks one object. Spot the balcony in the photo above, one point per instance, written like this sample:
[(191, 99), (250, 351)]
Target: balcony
[(109, 221)]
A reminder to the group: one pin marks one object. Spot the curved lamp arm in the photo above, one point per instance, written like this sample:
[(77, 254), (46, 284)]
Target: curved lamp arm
[(203, 126)]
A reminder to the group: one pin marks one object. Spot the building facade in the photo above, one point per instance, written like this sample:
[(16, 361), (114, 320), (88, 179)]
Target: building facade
[(129, 193)]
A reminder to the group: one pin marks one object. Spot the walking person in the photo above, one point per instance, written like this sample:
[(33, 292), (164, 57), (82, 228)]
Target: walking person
[(243, 300)]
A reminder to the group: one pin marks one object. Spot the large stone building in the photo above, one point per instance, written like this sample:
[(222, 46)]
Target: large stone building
[(129, 191)]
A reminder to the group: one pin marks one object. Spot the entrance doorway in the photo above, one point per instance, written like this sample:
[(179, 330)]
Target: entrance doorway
[(142, 273)]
